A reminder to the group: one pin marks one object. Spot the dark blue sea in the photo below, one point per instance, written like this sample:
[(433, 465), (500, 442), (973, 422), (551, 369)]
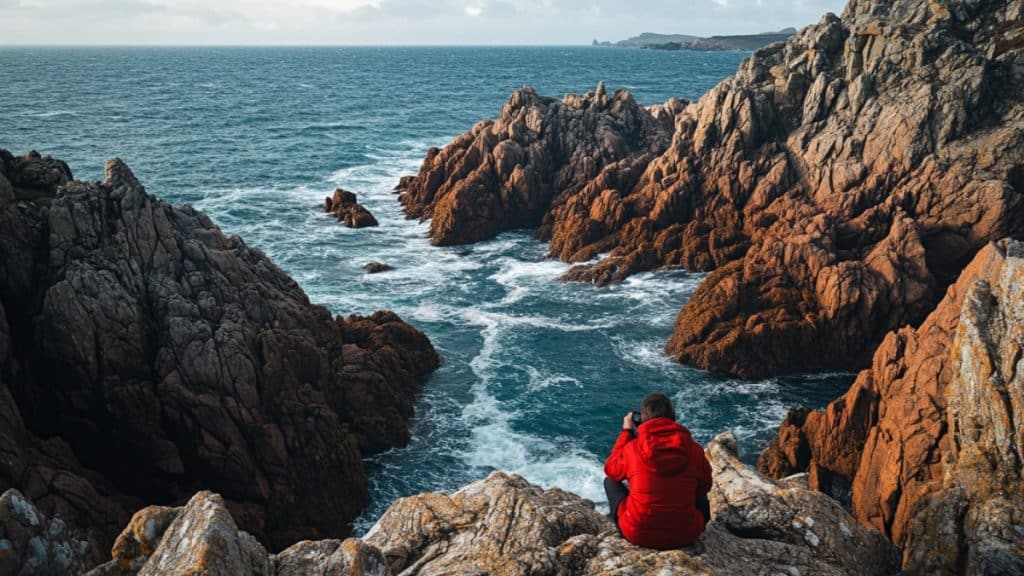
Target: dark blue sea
[(537, 374)]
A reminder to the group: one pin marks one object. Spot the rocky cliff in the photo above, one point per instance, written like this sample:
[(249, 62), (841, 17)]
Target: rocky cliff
[(926, 445), (504, 526), (835, 186), (144, 355)]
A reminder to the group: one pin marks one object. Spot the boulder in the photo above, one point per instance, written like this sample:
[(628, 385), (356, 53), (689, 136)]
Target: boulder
[(834, 187), (32, 544), (347, 210), (158, 357), (503, 525), (377, 267), (924, 443)]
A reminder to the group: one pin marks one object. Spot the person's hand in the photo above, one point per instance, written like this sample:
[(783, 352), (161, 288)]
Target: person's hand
[(627, 422)]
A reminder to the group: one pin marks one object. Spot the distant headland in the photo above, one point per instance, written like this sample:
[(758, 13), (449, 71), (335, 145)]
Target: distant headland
[(655, 41)]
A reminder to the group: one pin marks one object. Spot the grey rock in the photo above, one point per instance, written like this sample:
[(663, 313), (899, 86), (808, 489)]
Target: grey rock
[(159, 353), (503, 525), (33, 545)]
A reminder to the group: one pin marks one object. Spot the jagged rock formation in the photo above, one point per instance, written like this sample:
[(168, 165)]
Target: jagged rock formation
[(926, 444), (506, 174), (835, 186), (504, 526), (348, 210), (145, 355)]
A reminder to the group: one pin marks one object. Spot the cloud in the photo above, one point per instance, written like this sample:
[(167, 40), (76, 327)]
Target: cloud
[(391, 21)]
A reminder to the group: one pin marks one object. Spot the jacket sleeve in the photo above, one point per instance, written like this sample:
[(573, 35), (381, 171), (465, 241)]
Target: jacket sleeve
[(615, 465), (704, 479)]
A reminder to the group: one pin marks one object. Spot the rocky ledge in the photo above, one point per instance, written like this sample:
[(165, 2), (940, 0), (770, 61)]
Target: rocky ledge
[(835, 186), (505, 526), (144, 355), (927, 443)]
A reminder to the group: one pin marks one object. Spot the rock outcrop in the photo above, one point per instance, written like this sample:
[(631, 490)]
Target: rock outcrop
[(835, 186), (33, 545), (508, 173), (144, 355), (377, 267), (348, 210), (926, 444), (505, 526)]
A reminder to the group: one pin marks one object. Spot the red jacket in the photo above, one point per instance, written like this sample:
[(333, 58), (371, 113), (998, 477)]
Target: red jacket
[(666, 469)]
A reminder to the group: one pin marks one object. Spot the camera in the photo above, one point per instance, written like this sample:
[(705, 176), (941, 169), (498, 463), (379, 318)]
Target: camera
[(636, 417)]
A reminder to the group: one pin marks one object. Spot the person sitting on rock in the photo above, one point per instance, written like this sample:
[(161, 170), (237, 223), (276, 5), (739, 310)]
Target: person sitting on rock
[(665, 505)]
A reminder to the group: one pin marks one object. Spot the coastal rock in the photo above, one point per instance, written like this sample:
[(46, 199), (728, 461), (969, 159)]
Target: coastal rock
[(503, 525), (32, 544), (32, 176), (835, 186), (158, 357), (924, 444), (377, 267), (347, 210), (508, 173)]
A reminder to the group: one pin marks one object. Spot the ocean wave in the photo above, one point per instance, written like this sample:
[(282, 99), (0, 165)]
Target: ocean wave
[(51, 114)]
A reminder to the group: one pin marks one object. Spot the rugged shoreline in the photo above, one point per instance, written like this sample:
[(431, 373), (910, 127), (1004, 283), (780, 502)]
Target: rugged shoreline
[(834, 187), (857, 194), (503, 525), (144, 355)]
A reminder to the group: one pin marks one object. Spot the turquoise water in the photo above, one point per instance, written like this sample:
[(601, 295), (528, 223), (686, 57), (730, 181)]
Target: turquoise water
[(537, 373)]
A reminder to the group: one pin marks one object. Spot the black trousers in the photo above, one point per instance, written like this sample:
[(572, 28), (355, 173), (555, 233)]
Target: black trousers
[(617, 492)]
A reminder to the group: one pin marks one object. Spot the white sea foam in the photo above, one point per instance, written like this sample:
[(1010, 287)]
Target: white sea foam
[(541, 381), (648, 353), (495, 443), (51, 114), (520, 278)]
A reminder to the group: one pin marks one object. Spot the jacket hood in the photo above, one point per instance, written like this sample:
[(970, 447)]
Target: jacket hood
[(662, 445)]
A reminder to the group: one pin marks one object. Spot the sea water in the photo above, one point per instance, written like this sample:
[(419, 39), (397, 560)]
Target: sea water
[(537, 374)]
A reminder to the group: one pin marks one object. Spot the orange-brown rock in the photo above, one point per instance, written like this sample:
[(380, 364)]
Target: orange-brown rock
[(507, 173), (348, 210), (836, 185), (923, 443), (145, 355)]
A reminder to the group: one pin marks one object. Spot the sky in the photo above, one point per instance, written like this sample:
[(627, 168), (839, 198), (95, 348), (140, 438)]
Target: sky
[(390, 22)]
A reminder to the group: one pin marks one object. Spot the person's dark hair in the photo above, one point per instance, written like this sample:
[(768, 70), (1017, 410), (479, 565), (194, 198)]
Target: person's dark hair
[(656, 405)]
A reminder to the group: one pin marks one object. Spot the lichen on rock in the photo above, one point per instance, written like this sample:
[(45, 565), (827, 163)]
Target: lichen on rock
[(505, 526)]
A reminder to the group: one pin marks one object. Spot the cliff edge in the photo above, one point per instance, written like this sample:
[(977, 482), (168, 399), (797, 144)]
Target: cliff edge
[(144, 355), (926, 444)]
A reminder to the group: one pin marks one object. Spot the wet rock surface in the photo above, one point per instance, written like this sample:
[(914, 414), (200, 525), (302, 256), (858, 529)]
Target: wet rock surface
[(503, 525), (348, 210), (144, 355), (925, 444), (377, 267), (836, 185)]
